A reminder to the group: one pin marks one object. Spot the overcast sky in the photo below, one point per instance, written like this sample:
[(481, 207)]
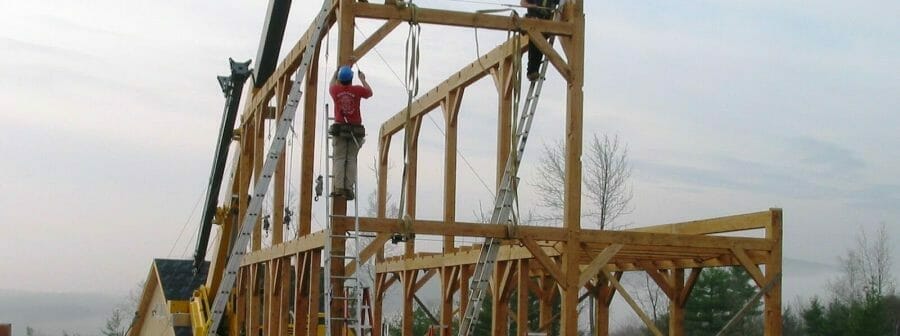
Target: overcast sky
[(109, 113)]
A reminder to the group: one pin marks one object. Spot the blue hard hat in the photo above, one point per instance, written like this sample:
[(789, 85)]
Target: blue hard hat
[(345, 74)]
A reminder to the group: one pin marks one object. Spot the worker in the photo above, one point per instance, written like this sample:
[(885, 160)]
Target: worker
[(538, 9), (347, 130)]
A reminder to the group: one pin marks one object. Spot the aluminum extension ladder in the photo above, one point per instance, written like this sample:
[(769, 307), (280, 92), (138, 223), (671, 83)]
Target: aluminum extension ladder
[(262, 182), (353, 297), (502, 207)]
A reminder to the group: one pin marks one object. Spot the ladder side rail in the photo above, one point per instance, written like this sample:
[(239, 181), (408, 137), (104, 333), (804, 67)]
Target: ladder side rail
[(261, 187)]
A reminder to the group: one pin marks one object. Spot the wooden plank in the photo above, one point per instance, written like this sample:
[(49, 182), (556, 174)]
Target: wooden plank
[(594, 267)]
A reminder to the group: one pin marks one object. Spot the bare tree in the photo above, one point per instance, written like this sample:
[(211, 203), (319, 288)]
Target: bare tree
[(866, 268), (605, 180)]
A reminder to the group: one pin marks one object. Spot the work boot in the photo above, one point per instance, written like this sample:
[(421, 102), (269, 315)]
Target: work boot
[(348, 194), (533, 76)]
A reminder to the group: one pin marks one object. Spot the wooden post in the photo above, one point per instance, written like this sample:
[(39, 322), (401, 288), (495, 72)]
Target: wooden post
[(451, 114), (315, 294), (500, 304), (504, 116), (548, 287), (254, 324), (384, 146), (772, 299), (574, 13), (339, 205), (259, 149), (522, 297), (676, 306), (448, 279), (301, 293), (307, 152), (281, 92), (409, 290), (268, 297), (465, 274), (241, 299), (601, 293), (412, 173), (381, 286)]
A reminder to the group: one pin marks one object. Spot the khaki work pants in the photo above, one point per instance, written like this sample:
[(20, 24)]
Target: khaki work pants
[(345, 150)]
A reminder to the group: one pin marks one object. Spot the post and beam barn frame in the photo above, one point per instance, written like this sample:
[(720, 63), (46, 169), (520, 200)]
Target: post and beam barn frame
[(551, 263)]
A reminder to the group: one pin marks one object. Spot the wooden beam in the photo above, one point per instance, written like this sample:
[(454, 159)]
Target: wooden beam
[(558, 62), (424, 279), (744, 222), (375, 38), (637, 309), (628, 238), (594, 267), (374, 246), (752, 269), (468, 75), (459, 19), (665, 284), (302, 244), (689, 286), (549, 265)]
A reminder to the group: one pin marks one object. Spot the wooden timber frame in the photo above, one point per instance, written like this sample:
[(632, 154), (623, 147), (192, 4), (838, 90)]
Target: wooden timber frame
[(551, 263)]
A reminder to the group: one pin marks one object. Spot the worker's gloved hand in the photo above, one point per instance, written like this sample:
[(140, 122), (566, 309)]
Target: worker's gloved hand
[(361, 75)]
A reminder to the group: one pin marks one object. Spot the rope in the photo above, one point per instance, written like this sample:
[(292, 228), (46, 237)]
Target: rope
[(412, 89)]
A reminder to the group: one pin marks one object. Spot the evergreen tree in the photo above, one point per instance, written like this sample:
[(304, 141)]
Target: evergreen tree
[(718, 295), (814, 318), (791, 323)]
